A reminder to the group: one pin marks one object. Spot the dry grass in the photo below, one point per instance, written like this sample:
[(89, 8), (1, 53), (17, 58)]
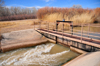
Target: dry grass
[(84, 18), (17, 22), (78, 16), (8, 26), (77, 19)]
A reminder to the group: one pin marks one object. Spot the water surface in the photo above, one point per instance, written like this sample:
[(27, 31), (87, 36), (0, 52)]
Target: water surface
[(48, 54)]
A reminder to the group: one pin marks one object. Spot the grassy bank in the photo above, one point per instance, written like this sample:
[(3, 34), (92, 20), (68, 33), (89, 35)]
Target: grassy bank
[(17, 22)]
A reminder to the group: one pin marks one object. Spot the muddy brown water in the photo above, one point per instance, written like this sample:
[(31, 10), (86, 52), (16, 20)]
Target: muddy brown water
[(48, 54), (95, 32)]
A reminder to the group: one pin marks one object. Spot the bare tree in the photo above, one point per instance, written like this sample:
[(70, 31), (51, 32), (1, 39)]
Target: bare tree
[(1, 3), (14, 13), (76, 6), (1, 7)]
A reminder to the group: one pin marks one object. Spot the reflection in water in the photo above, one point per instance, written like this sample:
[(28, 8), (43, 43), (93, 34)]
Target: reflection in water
[(42, 55)]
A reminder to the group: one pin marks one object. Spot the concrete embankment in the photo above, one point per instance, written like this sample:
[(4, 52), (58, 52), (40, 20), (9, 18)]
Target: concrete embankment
[(88, 59), (21, 39), (29, 37)]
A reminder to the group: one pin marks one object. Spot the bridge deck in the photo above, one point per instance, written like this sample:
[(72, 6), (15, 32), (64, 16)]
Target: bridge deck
[(87, 41)]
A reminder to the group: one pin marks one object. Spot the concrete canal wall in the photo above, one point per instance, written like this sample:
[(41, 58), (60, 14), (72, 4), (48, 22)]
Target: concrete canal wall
[(21, 39)]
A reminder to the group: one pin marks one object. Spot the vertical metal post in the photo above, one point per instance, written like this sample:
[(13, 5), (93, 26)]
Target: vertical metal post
[(88, 30), (81, 32), (93, 48), (77, 44), (34, 25), (72, 27), (63, 27), (62, 33), (72, 43), (48, 25), (67, 42), (56, 31), (56, 39), (56, 26), (40, 25), (84, 46)]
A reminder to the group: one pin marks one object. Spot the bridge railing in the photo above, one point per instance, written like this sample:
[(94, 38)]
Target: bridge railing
[(73, 32), (67, 42), (87, 34), (49, 26)]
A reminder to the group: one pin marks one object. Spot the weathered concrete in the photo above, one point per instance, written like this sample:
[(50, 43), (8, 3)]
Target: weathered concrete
[(20, 36), (22, 45), (21, 39), (77, 50), (88, 59)]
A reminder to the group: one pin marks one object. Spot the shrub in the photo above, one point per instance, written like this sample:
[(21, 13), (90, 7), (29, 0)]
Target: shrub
[(79, 15), (17, 17)]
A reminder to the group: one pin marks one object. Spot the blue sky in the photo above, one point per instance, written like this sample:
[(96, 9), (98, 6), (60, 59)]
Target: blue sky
[(52, 3)]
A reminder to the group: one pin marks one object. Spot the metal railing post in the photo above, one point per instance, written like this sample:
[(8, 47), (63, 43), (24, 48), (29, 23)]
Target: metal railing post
[(40, 25), (72, 28), (56, 39), (56, 26), (62, 34), (48, 26), (34, 25), (88, 30), (81, 32)]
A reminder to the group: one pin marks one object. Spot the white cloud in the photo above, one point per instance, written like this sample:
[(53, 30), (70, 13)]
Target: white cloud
[(7, 6), (38, 7), (47, 0)]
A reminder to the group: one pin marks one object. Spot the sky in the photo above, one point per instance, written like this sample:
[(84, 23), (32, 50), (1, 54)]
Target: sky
[(52, 3)]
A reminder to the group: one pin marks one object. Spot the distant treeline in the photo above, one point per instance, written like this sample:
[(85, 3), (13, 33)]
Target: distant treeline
[(17, 13)]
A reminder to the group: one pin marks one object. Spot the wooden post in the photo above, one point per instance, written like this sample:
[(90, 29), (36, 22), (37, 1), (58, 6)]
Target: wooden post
[(81, 32)]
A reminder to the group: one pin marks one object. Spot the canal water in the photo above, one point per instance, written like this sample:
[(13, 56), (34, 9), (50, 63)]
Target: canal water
[(93, 31), (48, 54)]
